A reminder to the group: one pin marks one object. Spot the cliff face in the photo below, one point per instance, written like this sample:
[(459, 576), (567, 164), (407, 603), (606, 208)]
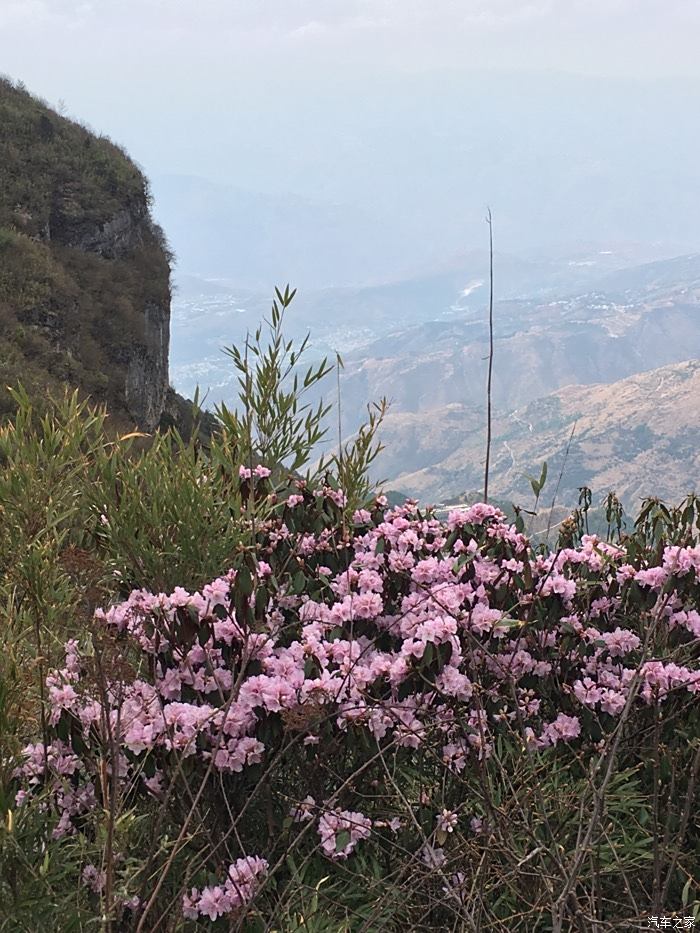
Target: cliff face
[(84, 271), (146, 381)]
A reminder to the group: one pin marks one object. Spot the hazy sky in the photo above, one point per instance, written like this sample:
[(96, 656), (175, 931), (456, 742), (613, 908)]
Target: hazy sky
[(635, 37), (127, 66), (417, 113)]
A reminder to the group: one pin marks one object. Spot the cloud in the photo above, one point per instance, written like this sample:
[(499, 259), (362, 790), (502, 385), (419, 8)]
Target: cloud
[(312, 19), (134, 39)]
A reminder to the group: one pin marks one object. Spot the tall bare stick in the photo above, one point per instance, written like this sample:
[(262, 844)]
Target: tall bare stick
[(556, 491), (338, 364), (489, 221)]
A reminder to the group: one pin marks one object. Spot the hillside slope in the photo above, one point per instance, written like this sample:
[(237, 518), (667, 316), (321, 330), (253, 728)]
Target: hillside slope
[(639, 436), (84, 271)]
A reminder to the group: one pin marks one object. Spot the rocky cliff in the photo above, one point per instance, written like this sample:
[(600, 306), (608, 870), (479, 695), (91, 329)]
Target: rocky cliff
[(84, 271)]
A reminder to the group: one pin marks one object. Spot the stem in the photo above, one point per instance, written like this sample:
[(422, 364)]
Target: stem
[(489, 221), (556, 490)]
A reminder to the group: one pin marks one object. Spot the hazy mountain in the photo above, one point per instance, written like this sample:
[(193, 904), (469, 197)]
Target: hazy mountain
[(258, 240), (378, 179), (674, 276), (590, 321), (539, 346)]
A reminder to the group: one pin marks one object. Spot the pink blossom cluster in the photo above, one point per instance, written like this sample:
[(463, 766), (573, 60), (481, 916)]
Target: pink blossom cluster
[(72, 800), (261, 472), (447, 821), (242, 881), (94, 878), (416, 635), (341, 830)]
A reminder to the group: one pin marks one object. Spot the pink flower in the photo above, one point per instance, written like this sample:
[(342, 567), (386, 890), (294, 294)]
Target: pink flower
[(341, 830), (214, 902), (189, 905), (447, 821), (304, 811), (93, 878), (426, 570), (433, 857), (564, 728), (612, 702), (239, 888), (335, 495), (587, 691), (366, 605), (654, 577), (620, 642)]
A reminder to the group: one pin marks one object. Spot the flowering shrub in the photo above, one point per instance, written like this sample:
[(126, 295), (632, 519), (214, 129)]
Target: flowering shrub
[(356, 686)]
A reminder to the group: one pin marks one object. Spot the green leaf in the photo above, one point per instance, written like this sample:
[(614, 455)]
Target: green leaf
[(685, 895), (508, 623), (244, 581)]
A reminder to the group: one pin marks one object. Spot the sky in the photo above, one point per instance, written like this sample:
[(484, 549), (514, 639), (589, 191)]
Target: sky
[(632, 37), (130, 66), (394, 111)]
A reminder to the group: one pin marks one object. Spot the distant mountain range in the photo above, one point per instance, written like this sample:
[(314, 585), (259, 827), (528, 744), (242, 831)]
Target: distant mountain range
[(617, 366), (575, 337), (541, 345), (211, 311)]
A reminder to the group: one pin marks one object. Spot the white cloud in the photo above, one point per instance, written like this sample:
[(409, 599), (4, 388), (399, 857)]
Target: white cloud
[(438, 20)]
